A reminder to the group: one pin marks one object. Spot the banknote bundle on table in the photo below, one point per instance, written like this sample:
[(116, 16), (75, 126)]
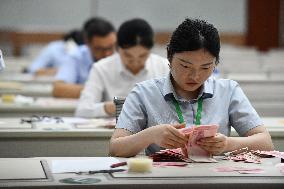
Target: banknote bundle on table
[(252, 156), (192, 152)]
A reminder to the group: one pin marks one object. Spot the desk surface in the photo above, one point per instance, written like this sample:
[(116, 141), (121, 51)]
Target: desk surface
[(275, 126), (50, 139), (195, 175), (47, 106), (12, 127), (26, 78), (26, 89)]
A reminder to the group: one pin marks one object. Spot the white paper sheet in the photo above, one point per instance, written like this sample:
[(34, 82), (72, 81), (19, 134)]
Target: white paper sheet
[(94, 164), (26, 169)]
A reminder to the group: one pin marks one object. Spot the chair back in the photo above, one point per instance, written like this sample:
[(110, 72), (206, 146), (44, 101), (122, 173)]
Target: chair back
[(118, 101)]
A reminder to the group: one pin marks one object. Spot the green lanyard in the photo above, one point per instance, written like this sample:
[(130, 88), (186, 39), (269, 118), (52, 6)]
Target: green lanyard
[(198, 114)]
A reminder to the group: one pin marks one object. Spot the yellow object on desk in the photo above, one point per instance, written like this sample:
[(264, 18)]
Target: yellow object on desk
[(8, 98), (140, 165)]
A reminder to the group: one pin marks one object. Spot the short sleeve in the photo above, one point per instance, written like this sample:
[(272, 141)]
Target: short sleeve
[(133, 117), (242, 115)]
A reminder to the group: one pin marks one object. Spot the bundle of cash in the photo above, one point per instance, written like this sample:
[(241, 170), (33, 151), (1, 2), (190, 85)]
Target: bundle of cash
[(192, 152), (252, 156)]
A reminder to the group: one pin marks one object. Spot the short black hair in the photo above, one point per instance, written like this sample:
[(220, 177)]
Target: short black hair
[(75, 35), (194, 34), (97, 27), (135, 32)]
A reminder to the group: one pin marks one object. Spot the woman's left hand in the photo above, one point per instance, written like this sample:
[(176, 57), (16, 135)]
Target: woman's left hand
[(214, 145)]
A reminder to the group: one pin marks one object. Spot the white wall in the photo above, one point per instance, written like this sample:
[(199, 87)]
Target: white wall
[(163, 15), (56, 15), (226, 15)]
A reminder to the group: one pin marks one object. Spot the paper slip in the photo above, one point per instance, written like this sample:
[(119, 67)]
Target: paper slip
[(94, 164), (26, 169)]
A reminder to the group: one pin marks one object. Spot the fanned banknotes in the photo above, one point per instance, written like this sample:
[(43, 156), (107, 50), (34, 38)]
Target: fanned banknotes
[(192, 152), (251, 156)]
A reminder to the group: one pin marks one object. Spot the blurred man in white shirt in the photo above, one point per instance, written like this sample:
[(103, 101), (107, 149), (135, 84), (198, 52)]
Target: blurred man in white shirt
[(116, 75)]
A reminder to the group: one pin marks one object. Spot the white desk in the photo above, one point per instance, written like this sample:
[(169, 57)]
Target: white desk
[(193, 176), (26, 89), (33, 142), (47, 106), (51, 140), (26, 78)]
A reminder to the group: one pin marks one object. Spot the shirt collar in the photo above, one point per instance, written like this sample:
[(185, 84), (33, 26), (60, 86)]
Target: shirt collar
[(168, 89), (123, 70)]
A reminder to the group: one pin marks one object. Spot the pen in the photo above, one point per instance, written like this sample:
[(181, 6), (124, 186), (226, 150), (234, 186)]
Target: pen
[(107, 171), (100, 171), (118, 164)]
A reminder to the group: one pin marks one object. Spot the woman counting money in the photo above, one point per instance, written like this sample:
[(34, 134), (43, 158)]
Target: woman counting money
[(156, 110)]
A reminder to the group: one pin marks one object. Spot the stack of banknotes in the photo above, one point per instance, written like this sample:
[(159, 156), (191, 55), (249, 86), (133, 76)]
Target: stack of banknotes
[(253, 156), (192, 152)]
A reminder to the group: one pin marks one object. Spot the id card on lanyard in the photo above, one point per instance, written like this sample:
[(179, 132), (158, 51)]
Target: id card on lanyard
[(198, 114)]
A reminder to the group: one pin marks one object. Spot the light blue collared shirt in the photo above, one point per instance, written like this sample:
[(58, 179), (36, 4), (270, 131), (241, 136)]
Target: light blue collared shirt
[(224, 103), (76, 66), (50, 57)]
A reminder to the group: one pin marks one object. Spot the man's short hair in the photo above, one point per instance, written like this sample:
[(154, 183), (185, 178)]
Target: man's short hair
[(135, 32), (97, 27)]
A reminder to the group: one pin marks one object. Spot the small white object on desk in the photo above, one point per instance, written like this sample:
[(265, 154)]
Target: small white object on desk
[(140, 165)]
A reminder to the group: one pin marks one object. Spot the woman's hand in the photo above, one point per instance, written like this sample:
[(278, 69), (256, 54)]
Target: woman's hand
[(214, 145), (169, 136)]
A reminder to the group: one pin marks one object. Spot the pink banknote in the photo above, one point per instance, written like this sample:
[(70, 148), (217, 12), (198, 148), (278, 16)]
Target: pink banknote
[(281, 167), (192, 152)]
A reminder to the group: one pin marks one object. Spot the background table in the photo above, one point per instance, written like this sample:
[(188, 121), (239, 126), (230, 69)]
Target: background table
[(47, 106), (52, 141)]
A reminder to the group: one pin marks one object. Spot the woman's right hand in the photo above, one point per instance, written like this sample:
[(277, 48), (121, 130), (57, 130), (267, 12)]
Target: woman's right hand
[(169, 136)]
